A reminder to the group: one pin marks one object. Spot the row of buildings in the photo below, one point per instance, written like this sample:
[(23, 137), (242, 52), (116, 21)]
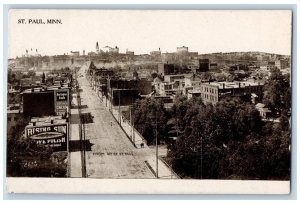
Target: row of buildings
[(182, 57), (47, 106), (170, 83), (118, 90)]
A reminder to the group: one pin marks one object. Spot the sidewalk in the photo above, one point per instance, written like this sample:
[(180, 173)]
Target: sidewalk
[(164, 171), (75, 157)]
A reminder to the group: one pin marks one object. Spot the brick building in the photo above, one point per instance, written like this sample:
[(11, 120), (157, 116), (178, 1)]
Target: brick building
[(213, 92)]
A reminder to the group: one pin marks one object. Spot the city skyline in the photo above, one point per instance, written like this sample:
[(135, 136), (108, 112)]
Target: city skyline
[(148, 30)]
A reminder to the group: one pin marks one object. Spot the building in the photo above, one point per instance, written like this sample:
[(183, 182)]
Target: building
[(199, 65), (168, 57), (182, 50), (213, 92), (97, 47), (126, 92), (166, 69), (131, 53), (172, 85), (155, 53), (47, 101), (282, 63), (75, 53), (193, 93), (203, 65), (111, 49)]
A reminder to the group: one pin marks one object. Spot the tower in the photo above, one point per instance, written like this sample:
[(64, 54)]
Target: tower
[(97, 47)]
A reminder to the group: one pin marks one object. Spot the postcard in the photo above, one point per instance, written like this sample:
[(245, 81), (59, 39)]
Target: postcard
[(149, 101)]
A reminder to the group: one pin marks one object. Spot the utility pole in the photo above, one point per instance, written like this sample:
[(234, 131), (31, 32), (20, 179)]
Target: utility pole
[(156, 144), (130, 118), (119, 108), (201, 155), (132, 124), (133, 132)]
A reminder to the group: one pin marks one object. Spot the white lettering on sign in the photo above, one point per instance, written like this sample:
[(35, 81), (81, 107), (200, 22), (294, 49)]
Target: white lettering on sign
[(36, 130), (56, 140), (61, 107), (62, 96), (60, 129)]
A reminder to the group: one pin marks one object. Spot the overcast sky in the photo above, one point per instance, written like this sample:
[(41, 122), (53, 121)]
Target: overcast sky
[(145, 31)]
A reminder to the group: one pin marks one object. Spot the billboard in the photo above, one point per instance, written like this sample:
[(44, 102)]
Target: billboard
[(62, 101), (37, 104), (53, 135)]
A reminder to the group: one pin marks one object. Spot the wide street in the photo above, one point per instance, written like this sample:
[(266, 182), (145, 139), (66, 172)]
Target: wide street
[(111, 155)]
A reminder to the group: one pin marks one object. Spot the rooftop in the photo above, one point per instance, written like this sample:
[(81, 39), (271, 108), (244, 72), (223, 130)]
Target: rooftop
[(46, 121), (235, 84)]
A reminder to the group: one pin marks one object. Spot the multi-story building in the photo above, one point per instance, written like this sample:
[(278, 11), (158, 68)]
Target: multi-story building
[(128, 52), (182, 50), (111, 49), (213, 92), (282, 63), (199, 65), (54, 100), (155, 53), (166, 69), (75, 53)]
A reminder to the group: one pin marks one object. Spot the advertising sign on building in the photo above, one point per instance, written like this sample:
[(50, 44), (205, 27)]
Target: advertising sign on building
[(62, 101), (55, 136)]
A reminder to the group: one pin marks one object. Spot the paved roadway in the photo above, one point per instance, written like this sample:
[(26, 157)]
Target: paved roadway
[(112, 154)]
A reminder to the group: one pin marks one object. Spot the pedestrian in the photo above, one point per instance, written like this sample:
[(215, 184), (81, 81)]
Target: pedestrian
[(110, 123)]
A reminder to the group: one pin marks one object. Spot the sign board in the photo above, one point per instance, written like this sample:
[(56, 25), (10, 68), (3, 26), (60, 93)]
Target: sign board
[(61, 101), (55, 136)]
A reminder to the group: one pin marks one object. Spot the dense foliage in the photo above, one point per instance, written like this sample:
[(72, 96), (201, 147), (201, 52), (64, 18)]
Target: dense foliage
[(226, 141), (229, 141), (27, 159), (149, 114)]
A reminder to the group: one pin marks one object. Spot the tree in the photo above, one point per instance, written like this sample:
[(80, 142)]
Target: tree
[(277, 94), (26, 158), (135, 75), (229, 140), (31, 73), (92, 65), (43, 78), (154, 75), (147, 113)]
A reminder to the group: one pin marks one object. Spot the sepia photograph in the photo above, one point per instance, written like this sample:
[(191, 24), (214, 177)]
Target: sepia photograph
[(200, 96)]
